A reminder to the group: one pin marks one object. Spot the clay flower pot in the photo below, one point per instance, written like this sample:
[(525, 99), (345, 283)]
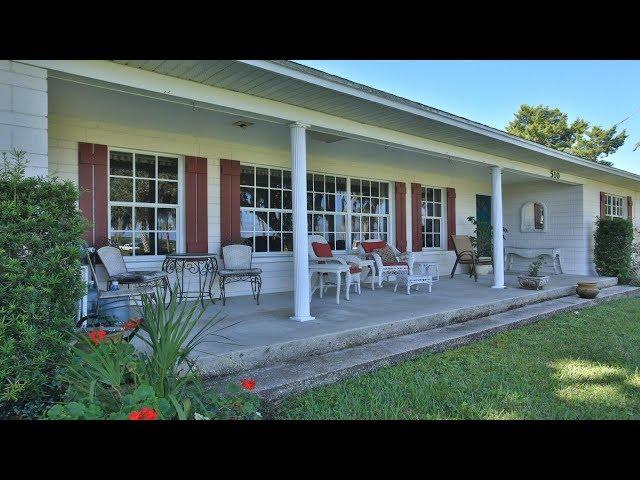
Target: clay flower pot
[(587, 289)]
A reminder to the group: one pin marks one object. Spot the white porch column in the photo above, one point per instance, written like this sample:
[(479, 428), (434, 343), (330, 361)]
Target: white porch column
[(496, 220), (300, 231)]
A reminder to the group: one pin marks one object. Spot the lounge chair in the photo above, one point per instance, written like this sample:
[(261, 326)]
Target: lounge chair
[(466, 255), (403, 262)]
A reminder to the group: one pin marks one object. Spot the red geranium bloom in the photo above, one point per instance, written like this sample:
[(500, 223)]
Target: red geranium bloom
[(97, 336), (131, 324), (145, 413), (248, 384)]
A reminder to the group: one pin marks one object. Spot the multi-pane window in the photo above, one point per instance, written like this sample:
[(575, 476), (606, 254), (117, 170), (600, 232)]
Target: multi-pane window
[(265, 209), (143, 202), (343, 210), (327, 208), (369, 210), (432, 213), (614, 206)]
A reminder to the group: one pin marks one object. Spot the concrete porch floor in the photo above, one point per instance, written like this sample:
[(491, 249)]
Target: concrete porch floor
[(262, 334)]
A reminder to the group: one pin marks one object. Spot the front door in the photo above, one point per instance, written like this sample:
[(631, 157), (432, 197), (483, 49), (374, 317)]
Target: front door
[(483, 209)]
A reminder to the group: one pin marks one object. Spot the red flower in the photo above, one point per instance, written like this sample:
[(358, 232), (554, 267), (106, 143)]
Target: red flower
[(97, 336), (248, 384), (145, 413), (132, 324)]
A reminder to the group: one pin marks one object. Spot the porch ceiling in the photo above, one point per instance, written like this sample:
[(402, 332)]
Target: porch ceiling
[(305, 87)]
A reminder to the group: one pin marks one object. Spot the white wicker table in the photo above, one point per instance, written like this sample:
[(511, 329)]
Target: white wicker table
[(428, 268), (410, 280)]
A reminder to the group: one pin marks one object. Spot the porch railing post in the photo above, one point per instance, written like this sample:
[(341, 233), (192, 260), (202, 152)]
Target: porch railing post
[(496, 220), (300, 231)]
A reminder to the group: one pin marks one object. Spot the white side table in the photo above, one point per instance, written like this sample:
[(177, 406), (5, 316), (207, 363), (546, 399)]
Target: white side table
[(410, 280), (318, 269)]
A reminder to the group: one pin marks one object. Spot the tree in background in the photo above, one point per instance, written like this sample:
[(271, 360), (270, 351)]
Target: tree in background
[(550, 127)]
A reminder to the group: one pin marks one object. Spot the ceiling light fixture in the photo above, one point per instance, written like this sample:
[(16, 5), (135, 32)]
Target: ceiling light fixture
[(242, 124)]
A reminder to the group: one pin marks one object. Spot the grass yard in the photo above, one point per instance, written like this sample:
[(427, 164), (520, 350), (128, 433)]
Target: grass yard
[(580, 365)]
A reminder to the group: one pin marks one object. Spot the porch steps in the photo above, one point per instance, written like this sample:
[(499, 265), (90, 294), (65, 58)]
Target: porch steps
[(281, 379)]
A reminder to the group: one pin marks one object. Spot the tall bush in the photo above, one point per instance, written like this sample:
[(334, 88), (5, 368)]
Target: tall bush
[(40, 237), (613, 247)]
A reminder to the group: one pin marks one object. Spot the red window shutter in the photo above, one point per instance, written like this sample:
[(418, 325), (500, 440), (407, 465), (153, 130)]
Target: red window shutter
[(451, 216), (229, 201), (602, 205), (416, 217), (401, 216), (630, 208), (92, 179), (196, 204)]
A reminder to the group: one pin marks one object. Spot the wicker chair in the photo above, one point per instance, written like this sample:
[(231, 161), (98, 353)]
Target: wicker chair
[(466, 255), (403, 264), (113, 262), (237, 268), (355, 270)]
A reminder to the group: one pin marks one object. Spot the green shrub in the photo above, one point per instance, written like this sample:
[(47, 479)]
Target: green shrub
[(613, 247), (40, 237)]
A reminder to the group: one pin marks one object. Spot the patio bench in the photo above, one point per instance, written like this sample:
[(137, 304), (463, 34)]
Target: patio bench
[(554, 253)]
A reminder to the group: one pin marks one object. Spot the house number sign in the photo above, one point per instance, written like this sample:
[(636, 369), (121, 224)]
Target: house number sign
[(555, 174)]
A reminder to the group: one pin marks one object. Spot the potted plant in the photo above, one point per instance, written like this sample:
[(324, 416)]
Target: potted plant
[(533, 280), (482, 241)]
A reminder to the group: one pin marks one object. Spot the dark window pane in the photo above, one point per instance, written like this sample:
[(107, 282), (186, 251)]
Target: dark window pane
[(331, 239), (287, 242), (364, 225), (274, 221), (166, 242), (330, 219), (430, 209), (429, 194), (356, 205), (275, 178), (318, 183), (120, 189), (331, 203), (437, 195), (287, 222), (375, 205), (428, 225), (168, 169), (437, 212), (384, 189), (275, 243), (341, 243), (436, 226), (429, 240), (330, 184), (261, 224), (286, 200), (436, 240), (366, 205), (262, 199), (276, 199), (145, 166), (260, 243), (365, 188), (310, 222), (120, 218), (309, 201), (121, 163), (145, 243), (166, 219), (246, 175), (320, 202), (146, 191), (375, 189), (309, 182), (124, 241), (168, 192), (341, 185), (355, 187), (246, 197), (262, 177), (145, 218), (286, 179)]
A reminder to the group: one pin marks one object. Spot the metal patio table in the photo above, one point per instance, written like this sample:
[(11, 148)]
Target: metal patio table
[(205, 265)]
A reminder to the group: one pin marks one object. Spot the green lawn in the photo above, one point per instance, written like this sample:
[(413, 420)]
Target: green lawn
[(580, 365)]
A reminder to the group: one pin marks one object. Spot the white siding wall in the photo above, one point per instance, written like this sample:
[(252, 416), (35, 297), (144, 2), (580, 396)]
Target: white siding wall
[(23, 113), (564, 228)]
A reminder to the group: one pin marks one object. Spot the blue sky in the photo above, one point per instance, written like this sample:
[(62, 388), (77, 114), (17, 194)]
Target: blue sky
[(490, 92)]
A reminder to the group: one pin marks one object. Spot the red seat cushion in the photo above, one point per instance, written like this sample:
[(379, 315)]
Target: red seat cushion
[(395, 264), (369, 247), (355, 269), (321, 249)]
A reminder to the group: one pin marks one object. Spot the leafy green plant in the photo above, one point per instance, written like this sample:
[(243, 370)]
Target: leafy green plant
[(482, 238), (40, 237), (534, 268), (613, 247)]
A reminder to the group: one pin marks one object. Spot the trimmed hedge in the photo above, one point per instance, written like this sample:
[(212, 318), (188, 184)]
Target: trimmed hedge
[(613, 247), (40, 250)]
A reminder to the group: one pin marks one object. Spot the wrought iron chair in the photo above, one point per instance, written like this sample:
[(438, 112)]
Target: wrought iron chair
[(237, 260), (113, 262)]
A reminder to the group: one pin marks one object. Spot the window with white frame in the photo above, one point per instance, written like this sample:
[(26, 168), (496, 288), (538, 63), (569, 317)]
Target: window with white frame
[(265, 208), (614, 206), (343, 210), (143, 202), (432, 217)]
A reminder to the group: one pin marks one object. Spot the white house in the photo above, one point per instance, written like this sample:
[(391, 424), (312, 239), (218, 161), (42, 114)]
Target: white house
[(181, 155)]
